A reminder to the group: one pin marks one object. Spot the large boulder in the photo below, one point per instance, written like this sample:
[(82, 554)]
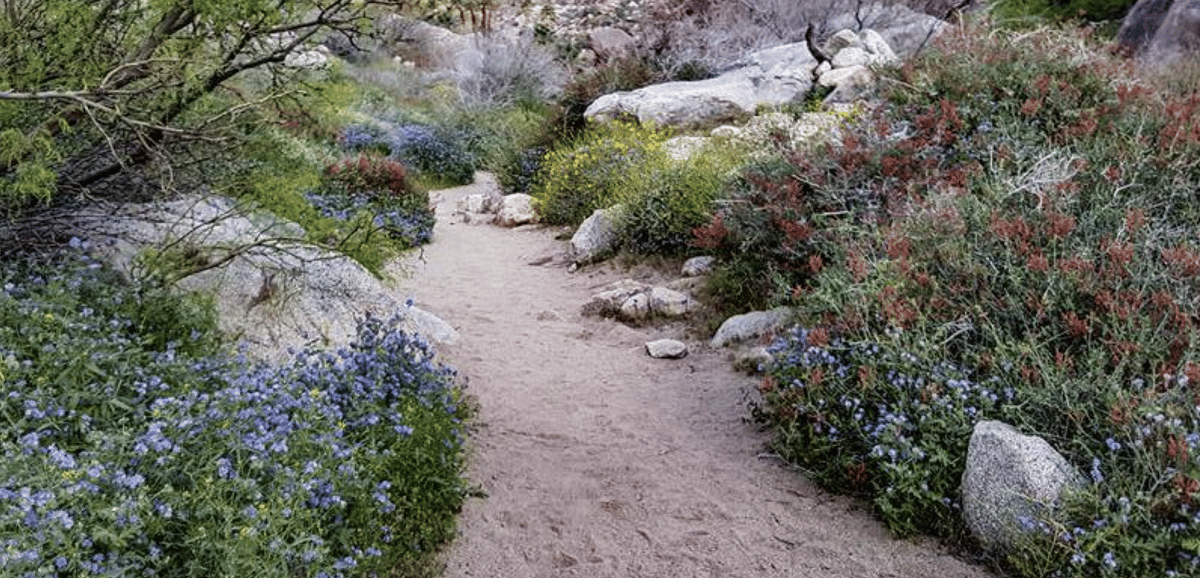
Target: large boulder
[(273, 292), (430, 46), (770, 77), (1179, 34), (1010, 481), (1146, 24), (751, 325), (610, 43), (596, 237)]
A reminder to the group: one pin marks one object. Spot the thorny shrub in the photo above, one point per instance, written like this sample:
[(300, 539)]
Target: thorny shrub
[(123, 456), (1012, 235)]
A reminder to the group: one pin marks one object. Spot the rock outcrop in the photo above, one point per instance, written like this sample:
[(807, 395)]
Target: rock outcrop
[(849, 69), (770, 77), (904, 29), (1161, 29), (1011, 481), (273, 291), (611, 43)]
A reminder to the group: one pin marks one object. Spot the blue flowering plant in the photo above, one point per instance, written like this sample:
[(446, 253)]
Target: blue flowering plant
[(376, 192), (436, 153), (879, 420), (124, 455)]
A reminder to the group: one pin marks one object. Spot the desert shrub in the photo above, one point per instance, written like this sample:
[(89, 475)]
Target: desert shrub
[(512, 71), (1007, 238), (590, 173), (176, 459), (667, 198), (518, 171), (495, 133), (888, 420), (433, 152), (376, 189)]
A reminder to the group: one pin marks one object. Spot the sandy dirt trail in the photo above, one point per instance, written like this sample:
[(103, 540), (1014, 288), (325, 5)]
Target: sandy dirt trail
[(599, 461)]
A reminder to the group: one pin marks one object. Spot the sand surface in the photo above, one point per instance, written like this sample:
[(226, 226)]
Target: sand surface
[(599, 461)]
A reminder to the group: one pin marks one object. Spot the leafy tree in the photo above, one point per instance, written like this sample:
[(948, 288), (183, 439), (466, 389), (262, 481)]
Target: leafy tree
[(94, 93)]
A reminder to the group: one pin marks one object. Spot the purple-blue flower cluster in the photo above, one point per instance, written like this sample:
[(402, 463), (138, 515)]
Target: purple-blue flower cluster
[(880, 420), (432, 151), (118, 460)]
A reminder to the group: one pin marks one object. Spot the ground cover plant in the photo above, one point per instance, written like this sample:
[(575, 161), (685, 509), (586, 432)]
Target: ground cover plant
[(134, 445), (1012, 236)]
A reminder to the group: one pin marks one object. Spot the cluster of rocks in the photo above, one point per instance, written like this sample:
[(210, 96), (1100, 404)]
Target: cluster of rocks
[(773, 77), (636, 302), (493, 208), (847, 73)]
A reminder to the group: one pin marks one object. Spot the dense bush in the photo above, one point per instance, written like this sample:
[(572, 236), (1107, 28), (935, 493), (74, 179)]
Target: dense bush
[(433, 152), (1011, 236), (518, 171), (666, 198), (436, 153), (126, 455), (378, 189), (590, 173)]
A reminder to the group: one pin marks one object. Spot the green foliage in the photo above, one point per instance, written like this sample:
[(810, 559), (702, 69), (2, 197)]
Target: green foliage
[(667, 198), (590, 173), (1006, 239), (1061, 10), (133, 444), (100, 91)]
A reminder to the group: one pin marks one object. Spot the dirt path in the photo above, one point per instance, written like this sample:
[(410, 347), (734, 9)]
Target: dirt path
[(599, 461)]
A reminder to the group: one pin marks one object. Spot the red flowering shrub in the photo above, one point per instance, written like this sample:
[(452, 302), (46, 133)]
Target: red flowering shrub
[(1022, 211)]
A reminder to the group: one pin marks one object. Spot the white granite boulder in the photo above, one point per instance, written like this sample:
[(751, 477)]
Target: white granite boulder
[(273, 291), (770, 77), (668, 303), (1011, 480), (698, 266), (514, 210), (666, 349), (596, 237), (751, 325)]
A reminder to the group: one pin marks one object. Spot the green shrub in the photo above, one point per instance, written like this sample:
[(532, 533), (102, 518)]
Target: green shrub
[(667, 198), (376, 190), (125, 454), (591, 172), (1010, 237), (1061, 10)]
